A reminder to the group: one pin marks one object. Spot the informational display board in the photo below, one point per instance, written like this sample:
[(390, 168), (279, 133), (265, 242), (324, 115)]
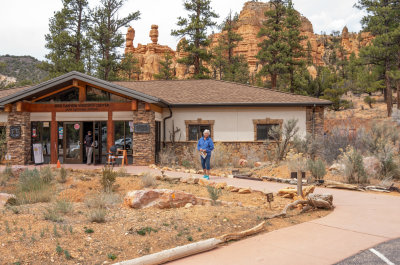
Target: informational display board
[(15, 132), (142, 128), (38, 154)]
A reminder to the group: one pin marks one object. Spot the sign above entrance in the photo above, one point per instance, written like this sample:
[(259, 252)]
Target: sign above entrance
[(73, 107), (141, 128)]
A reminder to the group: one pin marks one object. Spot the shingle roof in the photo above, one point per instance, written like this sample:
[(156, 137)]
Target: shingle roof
[(214, 92)]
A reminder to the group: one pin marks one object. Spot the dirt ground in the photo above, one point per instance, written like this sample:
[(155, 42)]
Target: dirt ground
[(27, 238)]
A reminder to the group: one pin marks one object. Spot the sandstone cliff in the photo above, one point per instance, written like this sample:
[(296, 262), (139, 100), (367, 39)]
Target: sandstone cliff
[(250, 21)]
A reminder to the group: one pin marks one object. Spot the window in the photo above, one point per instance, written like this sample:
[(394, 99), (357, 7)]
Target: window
[(123, 134), (263, 129), (40, 134), (95, 94), (196, 131), (71, 94), (264, 132)]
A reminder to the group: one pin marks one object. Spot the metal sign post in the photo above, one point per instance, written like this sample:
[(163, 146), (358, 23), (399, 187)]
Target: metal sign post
[(270, 198)]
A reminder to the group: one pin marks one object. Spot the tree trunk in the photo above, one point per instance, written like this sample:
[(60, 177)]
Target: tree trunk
[(398, 94), (273, 81), (299, 183), (389, 96)]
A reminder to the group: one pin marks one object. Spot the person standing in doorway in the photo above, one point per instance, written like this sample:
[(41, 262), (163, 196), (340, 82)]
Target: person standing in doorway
[(89, 147), (205, 146)]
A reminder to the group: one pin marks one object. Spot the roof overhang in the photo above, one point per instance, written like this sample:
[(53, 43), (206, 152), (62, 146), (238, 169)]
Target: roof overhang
[(31, 91), (272, 104)]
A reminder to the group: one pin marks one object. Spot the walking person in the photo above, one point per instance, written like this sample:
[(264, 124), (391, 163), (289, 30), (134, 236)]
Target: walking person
[(205, 146), (89, 147)]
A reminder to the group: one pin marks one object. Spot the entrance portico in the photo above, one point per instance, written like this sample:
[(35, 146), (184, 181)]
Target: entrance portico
[(58, 114)]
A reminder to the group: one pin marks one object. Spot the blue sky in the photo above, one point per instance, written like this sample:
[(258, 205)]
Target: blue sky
[(23, 23)]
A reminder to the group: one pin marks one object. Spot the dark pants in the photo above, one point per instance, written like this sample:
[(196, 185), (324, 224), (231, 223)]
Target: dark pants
[(205, 162)]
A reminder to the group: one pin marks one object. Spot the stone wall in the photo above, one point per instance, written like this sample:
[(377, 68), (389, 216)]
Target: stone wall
[(19, 149), (144, 144), (316, 114)]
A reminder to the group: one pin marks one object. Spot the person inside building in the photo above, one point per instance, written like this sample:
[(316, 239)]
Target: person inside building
[(89, 147), (205, 146)]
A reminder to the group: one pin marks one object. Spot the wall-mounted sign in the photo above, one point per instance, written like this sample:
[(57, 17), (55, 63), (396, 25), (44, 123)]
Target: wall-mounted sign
[(15, 132), (141, 128), (34, 132), (60, 133), (46, 124), (76, 126), (73, 107)]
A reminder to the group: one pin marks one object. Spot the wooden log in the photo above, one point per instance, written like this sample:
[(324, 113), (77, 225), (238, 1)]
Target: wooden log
[(240, 235), (246, 177), (174, 253)]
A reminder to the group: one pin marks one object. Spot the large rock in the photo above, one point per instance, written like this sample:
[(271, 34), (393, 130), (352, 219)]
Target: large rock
[(159, 198)]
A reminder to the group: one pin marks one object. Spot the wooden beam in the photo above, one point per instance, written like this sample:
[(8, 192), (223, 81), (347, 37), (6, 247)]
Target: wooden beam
[(8, 108), (53, 139), (82, 93), (134, 105), (75, 82), (110, 131), (77, 106), (156, 108), (84, 84), (147, 106), (19, 106), (52, 93)]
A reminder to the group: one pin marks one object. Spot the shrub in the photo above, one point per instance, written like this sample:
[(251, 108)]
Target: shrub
[(146, 230), (122, 172), (389, 168), (32, 189), (63, 206), (148, 180), (6, 175), (368, 100), (52, 214), (308, 145), (316, 168), (63, 173), (97, 215), (46, 174), (214, 193), (282, 139), (102, 200), (112, 256), (354, 166), (108, 178), (167, 157), (379, 136)]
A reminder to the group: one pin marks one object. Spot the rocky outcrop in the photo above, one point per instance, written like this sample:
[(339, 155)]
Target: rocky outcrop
[(160, 198), (249, 24)]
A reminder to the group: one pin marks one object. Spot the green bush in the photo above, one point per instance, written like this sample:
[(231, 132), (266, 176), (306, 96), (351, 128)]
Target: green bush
[(316, 168), (46, 173), (214, 193), (63, 173), (108, 179), (63, 206), (354, 166), (32, 189)]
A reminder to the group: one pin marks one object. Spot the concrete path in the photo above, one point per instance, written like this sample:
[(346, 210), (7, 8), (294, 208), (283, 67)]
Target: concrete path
[(360, 221)]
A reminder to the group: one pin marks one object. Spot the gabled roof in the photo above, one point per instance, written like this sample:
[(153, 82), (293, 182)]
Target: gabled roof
[(176, 93), (208, 92), (21, 93)]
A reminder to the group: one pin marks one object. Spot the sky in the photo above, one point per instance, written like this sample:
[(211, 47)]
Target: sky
[(24, 23)]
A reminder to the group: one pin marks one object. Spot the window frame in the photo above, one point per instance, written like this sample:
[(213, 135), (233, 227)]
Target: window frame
[(199, 122), (267, 121)]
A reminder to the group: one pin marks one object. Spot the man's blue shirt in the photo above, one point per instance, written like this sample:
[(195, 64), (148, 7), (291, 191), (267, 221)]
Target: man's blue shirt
[(207, 144)]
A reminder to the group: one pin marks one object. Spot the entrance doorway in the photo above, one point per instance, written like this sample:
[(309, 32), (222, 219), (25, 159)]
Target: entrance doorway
[(74, 151)]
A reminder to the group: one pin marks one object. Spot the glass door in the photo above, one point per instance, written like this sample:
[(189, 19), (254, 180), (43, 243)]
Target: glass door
[(73, 138)]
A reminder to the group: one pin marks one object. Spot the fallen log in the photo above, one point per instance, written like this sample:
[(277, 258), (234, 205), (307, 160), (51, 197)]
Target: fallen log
[(246, 233), (174, 253), (246, 177), (344, 186)]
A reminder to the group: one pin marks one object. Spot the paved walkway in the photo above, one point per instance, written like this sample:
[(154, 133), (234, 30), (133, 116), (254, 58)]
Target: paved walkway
[(360, 221)]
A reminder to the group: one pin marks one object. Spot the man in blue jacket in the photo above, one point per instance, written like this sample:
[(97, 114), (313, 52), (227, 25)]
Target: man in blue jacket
[(205, 146)]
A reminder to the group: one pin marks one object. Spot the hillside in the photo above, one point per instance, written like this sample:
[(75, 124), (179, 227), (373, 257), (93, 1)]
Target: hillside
[(23, 68)]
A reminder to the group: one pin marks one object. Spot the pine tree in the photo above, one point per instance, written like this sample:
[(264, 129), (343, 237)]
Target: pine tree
[(194, 28), (107, 37), (67, 40), (129, 67), (309, 54), (274, 48), (295, 52), (166, 69), (382, 20)]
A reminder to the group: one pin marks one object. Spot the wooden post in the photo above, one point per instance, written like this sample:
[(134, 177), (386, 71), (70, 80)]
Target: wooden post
[(147, 107), (134, 105), (110, 131), (82, 94), (53, 139)]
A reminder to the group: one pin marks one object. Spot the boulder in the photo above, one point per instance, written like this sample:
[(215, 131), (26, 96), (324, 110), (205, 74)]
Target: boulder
[(192, 180), (244, 191), (372, 165), (336, 167), (6, 198), (232, 189), (192, 171), (243, 162), (159, 198), (172, 179), (204, 182)]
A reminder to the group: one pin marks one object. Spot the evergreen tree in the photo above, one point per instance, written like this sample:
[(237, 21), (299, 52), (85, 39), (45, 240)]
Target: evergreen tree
[(129, 67), (106, 36), (237, 70), (194, 28), (67, 41), (382, 20), (166, 69), (309, 54), (295, 51), (274, 47)]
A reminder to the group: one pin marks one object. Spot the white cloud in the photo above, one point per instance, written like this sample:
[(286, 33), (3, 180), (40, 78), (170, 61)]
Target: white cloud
[(23, 23)]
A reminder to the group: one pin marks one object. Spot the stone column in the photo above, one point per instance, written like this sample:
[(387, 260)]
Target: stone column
[(315, 120), (144, 143), (19, 149)]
